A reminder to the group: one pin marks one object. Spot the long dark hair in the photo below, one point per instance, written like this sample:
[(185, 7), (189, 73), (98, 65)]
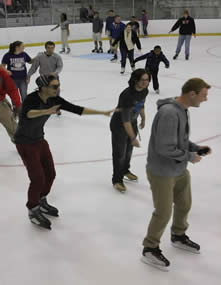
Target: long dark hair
[(136, 76), (13, 46)]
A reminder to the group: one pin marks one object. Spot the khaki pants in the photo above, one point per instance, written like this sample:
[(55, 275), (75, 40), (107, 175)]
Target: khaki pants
[(64, 39), (7, 119), (167, 191)]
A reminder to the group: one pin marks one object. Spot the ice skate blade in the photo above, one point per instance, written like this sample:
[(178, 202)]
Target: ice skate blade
[(151, 263), (130, 180), (183, 247), (47, 227)]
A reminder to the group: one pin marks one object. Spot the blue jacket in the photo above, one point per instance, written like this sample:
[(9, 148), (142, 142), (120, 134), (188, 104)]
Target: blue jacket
[(153, 61), (115, 30)]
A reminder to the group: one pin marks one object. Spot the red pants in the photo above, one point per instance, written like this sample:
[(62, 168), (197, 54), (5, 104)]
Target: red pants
[(40, 166)]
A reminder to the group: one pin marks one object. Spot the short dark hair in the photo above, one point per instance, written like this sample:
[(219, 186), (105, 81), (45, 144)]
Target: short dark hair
[(64, 16), (49, 43), (133, 17), (136, 76), (116, 16), (194, 84), (44, 80), (111, 11), (157, 47), (186, 12)]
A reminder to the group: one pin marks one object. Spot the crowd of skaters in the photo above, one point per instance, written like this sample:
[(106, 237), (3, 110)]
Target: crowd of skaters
[(170, 148)]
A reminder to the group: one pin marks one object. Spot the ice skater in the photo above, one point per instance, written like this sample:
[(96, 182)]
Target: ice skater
[(169, 152), (65, 32), (128, 38), (97, 27), (124, 128), (34, 149), (14, 61), (7, 115), (153, 60), (187, 29)]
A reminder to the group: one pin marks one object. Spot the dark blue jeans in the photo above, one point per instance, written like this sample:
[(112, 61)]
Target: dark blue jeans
[(22, 86)]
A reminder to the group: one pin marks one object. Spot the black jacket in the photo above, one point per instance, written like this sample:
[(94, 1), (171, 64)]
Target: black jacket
[(153, 61), (186, 25), (123, 45)]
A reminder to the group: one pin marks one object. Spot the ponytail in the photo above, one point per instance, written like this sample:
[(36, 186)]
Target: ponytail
[(13, 46)]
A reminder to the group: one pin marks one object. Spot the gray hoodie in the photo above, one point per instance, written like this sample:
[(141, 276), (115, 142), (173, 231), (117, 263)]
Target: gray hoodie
[(169, 147)]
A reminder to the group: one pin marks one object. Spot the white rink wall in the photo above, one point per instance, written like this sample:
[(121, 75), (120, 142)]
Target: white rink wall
[(39, 34)]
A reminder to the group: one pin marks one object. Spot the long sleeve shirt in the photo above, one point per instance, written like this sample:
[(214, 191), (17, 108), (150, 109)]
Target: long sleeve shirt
[(46, 64), (186, 26), (152, 60), (7, 86), (31, 130)]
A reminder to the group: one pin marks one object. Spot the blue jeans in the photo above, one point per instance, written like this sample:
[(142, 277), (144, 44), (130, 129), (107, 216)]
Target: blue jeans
[(181, 40), (22, 86)]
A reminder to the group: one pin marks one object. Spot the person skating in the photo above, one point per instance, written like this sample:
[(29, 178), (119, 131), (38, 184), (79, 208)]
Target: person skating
[(34, 149), (153, 60), (65, 32), (115, 30), (124, 129), (14, 61), (135, 25), (7, 115), (97, 27), (144, 21), (128, 38), (187, 28), (109, 22), (169, 152)]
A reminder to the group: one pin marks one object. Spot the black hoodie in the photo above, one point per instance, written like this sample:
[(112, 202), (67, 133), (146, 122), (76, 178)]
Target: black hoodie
[(186, 25)]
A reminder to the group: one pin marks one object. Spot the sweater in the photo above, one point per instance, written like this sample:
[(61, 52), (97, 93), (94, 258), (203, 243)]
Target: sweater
[(186, 25), (7, 86), (47, 64), (169, 147)]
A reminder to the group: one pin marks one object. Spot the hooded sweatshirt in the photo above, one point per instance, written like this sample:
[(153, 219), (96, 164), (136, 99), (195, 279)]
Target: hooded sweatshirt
[(169, 147)]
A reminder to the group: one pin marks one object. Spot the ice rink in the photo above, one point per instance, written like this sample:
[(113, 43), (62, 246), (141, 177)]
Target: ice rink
[(97, 240)]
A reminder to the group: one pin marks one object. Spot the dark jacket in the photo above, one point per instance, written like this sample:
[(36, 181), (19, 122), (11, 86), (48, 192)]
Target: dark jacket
[(186, 25), (109, 22), (123, 45), (97, 25), (115, 30), (153, 61)]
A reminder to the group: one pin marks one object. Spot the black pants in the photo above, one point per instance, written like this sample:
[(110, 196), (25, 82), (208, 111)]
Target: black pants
[(144, 29), (121, 152), (154, 77), (126, 53)]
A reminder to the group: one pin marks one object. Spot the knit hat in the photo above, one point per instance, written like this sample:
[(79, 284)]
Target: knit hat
[(43, 81)]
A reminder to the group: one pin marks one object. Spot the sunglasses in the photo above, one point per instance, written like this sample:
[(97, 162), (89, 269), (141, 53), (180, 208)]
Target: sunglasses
[(55, 86)]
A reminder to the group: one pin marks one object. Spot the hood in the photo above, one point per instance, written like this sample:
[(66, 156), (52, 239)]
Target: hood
[(171, 101)]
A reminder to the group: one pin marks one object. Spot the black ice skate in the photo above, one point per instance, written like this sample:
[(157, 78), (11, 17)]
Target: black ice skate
[(47, 209), (94, 50), (175, 56), (183, 242), (187, 57), (37, 218), (100, 50), (68, 50), (155, 258), (114, 59), (122, 70), (109, 51), (62, 51)]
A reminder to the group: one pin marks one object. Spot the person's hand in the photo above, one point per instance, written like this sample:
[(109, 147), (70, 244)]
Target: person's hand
[(135, 143), (142, 124), (197, 159), (53, 110)]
